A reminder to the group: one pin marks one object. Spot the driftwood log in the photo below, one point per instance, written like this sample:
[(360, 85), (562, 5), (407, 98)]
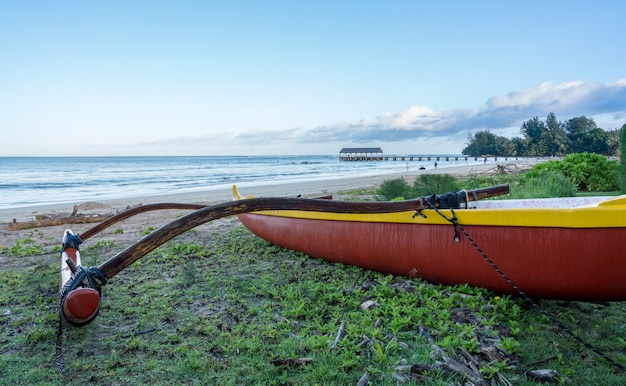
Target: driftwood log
[(105, 221), (48, 222)]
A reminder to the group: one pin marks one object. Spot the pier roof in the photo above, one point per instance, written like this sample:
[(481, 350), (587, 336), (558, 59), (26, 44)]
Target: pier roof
[(361, 150)]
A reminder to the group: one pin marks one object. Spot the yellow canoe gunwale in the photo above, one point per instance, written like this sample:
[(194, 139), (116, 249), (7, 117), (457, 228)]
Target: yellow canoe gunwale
[(598, 217), (607, 214)]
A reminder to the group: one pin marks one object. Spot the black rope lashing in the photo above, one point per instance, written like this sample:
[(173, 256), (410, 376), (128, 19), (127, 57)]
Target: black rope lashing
[(454, 221), (450, 200), (71, 240)]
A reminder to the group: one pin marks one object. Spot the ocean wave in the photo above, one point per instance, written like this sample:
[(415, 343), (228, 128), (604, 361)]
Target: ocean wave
[(47, 180)]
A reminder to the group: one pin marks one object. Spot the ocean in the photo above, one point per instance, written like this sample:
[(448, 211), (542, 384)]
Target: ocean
[(32, 181)]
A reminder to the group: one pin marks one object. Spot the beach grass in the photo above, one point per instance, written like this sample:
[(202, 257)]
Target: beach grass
[(234, 309)]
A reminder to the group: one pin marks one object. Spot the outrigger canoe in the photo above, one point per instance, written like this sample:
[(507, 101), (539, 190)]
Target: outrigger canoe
[(550, 248), (565, 248), (546, 248)]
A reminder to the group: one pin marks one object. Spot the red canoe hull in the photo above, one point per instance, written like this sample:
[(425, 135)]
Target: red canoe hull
[(556, 263)]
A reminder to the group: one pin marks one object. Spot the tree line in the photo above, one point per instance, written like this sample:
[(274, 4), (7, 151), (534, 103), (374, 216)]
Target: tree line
[(548, 138)]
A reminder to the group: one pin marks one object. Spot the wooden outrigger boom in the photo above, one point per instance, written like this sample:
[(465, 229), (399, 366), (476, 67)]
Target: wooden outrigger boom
[(79, 302), (152, 241)]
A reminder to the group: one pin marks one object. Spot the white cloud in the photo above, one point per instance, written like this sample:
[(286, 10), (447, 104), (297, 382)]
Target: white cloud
[(418, 129), (408, 119), (502, 112), (422, 126), (546, 94)]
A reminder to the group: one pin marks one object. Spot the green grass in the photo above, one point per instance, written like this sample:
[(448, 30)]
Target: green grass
[(235, 309)]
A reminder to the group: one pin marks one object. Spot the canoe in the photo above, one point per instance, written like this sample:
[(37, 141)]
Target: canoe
[(566, 248)]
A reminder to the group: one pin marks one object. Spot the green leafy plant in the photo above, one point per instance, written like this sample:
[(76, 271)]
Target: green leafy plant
[(26, 247), (589, 171), (147, 231)]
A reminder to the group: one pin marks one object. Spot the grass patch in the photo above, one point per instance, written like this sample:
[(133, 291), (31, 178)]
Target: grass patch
[(237, 310)]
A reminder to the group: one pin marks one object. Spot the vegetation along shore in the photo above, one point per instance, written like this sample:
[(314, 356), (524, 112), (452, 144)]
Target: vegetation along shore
[(217, 305)]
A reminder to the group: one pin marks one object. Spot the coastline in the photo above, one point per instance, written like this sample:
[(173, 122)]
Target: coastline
[(133, 229), (279, 189)]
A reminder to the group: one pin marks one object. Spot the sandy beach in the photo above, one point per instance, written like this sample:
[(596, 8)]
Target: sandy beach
[(131, 230), (305, 189)]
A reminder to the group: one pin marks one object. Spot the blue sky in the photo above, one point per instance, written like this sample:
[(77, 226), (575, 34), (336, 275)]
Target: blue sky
[(299, 77)]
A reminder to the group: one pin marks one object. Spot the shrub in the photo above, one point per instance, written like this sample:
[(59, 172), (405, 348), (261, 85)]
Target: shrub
[(428, 184), (543, 184), (394, 189), (589, 171), (424, 185)]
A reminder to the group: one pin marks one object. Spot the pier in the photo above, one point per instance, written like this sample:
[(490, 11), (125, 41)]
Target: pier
[(376, 154), (448, 158)]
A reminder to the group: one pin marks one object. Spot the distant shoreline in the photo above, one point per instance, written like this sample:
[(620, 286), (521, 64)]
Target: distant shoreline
[(29, 182), (280, 189)]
